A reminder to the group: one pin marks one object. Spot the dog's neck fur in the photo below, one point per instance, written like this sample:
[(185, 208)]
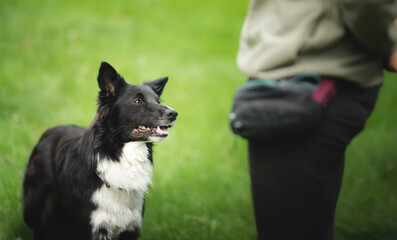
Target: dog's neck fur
[(132, 171), (100, 143), (104, 142)]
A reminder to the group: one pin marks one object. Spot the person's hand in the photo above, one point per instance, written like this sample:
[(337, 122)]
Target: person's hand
[(393, 58), (393, 61)]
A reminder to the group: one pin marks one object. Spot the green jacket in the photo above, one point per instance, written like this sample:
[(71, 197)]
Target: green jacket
[(350, 39)]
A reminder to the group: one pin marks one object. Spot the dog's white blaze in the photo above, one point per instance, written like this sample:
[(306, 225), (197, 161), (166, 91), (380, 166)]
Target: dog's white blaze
[(117, 210), (120, 207), (132, 172)]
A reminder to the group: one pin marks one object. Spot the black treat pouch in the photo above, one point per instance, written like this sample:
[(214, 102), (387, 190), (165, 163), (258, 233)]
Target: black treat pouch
[(269, 108)]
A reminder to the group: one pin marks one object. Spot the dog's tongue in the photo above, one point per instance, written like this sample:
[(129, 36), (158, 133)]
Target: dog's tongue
[(161, 130)]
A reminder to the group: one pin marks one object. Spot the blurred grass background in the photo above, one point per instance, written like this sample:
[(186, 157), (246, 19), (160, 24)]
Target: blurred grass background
[(50, 53)]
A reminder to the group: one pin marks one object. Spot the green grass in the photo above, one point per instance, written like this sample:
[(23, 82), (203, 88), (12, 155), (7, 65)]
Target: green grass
[(50, 53)]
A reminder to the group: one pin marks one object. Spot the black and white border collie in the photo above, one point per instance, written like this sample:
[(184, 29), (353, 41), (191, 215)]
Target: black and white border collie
[(90, 183)]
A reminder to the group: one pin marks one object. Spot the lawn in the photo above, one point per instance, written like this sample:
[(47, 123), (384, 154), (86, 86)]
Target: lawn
[(50, 52)]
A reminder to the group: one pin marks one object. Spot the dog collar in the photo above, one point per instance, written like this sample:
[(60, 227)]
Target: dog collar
[(99, 174)]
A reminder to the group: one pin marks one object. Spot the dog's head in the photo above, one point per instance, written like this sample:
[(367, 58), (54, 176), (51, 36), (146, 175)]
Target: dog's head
[(132, 112)]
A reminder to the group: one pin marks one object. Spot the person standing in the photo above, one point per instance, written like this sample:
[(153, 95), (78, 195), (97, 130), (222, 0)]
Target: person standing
[(295, 183)]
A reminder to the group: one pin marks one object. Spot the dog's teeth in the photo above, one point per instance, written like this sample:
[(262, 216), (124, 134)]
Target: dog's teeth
[(158, 129)]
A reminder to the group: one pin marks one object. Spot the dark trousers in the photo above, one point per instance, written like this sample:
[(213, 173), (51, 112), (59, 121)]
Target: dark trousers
[(296, 182)]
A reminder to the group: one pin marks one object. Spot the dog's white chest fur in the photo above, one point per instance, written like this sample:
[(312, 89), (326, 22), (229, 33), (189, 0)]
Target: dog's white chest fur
[(119, 207)]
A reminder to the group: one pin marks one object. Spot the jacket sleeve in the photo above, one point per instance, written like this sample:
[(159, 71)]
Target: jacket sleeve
[(373, 24)]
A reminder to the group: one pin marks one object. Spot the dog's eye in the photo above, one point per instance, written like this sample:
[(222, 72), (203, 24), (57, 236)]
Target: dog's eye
[(138, 101)]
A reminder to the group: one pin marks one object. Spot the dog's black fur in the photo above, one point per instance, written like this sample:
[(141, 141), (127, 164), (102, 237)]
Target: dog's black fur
[(61, 177)]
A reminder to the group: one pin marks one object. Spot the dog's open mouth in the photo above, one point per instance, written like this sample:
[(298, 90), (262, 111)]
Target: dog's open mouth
[(160, 131)]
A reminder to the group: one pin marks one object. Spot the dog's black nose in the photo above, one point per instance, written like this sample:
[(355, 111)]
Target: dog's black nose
[(171, 114)]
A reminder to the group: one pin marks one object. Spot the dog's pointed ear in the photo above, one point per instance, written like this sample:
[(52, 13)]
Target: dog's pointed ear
[(157, 85), (109, 81)]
